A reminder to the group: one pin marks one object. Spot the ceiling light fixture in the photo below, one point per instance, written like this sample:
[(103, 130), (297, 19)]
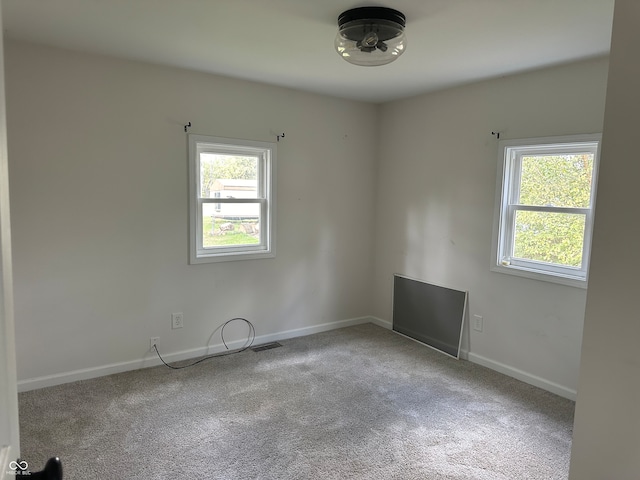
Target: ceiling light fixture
[(371, 36)]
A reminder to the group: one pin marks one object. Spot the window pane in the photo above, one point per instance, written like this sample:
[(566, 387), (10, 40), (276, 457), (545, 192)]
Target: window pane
[(557, 180), (228, 176), (230, 224), (549, 237)]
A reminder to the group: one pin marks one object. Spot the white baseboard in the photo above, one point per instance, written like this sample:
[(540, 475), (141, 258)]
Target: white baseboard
[(524, 376), (152, 360), (380, 322), (502, 368)]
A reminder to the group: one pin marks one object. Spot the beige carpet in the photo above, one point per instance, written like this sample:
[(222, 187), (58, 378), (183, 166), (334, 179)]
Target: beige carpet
[(359, 403)]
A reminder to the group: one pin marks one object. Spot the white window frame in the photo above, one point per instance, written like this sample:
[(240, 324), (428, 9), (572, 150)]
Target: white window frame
[(507, 190), (266, 153)]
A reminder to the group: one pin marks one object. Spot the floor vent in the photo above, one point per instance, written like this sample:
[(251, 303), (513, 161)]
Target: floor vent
[(265, 346)]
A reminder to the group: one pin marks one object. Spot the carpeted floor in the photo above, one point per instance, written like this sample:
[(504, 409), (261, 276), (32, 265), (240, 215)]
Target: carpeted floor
[(355, 403)]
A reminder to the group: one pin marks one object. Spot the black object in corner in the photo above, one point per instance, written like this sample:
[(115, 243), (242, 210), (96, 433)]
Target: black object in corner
[(52, 471)]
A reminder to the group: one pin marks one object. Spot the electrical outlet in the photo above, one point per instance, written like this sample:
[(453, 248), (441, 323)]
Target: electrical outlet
[(477, 323), (153, 341), (177, 320)]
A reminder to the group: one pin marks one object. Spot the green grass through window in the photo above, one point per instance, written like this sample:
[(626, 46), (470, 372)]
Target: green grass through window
[(226, 232)]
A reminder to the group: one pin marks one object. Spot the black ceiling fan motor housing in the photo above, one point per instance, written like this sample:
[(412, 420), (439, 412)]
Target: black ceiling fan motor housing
[(370, 17)]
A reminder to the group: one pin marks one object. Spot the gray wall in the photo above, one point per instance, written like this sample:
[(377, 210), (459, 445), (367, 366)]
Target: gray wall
[(98, 170), (435, 207), (607, 423), (99, 208)]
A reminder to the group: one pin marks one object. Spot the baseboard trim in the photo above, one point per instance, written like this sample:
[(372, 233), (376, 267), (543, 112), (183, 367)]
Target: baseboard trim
[(152, 360), (380, 322), (502, 368), (524, 376)]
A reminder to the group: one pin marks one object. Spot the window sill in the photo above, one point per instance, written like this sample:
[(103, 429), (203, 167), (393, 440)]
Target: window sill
[(541, 276), (231, 257)]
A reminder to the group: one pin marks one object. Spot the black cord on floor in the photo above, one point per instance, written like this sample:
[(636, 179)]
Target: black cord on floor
[(248, 343)]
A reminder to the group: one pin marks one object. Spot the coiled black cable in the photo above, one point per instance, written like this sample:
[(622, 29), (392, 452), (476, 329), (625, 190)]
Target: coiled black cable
[(248, 343)]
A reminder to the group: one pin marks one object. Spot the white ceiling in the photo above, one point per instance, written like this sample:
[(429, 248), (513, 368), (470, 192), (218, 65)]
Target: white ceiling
[(290, 42)]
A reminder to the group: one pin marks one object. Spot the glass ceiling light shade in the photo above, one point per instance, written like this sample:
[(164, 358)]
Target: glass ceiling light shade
[(371, 36)]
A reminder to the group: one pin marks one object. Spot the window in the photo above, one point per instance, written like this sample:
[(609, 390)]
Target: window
[(232, 191), (544, 214)]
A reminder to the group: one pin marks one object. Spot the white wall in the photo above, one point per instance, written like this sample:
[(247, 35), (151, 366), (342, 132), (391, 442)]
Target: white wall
[(98, 172), (9, 427), (607, 424), (435, 207), (99, 206)]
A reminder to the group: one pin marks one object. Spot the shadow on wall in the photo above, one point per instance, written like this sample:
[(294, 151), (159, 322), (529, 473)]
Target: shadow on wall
[(310, 286), (429, 251)]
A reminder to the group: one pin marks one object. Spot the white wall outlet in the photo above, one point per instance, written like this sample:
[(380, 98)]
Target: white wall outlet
[(153, 341), (177, 320), (477, 323)]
